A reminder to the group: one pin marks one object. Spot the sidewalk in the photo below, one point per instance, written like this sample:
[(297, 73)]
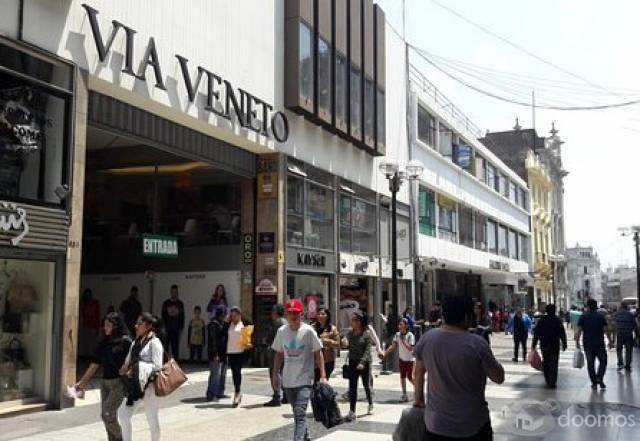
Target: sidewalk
[(522, 398)]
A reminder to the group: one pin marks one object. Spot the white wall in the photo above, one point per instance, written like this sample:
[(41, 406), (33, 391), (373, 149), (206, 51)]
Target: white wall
[(195, 288), (9, 18)]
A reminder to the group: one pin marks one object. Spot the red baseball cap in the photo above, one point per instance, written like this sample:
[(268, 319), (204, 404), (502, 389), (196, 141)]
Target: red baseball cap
[(294, 305)]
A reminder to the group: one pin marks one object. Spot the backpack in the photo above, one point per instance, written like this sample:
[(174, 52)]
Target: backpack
[(324, 405)]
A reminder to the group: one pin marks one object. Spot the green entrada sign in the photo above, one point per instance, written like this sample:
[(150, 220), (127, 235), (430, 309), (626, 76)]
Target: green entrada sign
[(159, 246)]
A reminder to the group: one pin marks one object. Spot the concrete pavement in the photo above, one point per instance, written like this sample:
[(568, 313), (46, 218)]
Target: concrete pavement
[(522, 408)]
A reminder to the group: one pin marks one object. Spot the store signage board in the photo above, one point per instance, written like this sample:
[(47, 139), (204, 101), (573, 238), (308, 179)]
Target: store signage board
[(267, 243), (13, 219), (311, 260), (222, 98), (266, 288), (154, 245), (247, 244)]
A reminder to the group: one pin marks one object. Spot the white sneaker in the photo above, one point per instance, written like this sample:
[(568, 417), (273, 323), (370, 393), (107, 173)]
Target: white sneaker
[(370, 410)]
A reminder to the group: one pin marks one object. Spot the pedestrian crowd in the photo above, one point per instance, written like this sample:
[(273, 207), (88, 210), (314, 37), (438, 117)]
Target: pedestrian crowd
[(449, 350)]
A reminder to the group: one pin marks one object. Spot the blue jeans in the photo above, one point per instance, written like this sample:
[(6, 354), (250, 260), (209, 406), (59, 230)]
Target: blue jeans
[(299, 399), (217, 378)]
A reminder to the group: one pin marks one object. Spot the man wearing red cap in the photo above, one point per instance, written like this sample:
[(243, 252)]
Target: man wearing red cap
[(297, 346)]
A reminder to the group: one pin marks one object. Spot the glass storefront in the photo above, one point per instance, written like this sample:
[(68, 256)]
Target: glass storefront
[(355, 293), (313, 290), (26, 312)]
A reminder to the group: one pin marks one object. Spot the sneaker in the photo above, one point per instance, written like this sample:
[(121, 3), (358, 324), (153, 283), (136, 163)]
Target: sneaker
[(620, 367), (370, 410), (594, 386), (351, 416), (237, 398), (627, 368), (602, 385), (275, 402), (404, 399), (515, 360)]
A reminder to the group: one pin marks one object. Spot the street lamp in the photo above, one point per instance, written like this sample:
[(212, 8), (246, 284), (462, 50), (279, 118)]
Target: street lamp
[(634, 231), (396, 176)]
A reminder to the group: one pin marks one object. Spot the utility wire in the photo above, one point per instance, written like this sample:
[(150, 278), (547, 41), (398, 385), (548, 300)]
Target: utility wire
[(522, 103), (518, 47)]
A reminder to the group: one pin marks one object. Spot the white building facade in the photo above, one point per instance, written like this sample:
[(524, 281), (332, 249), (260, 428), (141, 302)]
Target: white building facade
[(584, 275)]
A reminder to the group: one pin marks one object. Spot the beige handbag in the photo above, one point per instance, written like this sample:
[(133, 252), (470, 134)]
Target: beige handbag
[(169, 378)]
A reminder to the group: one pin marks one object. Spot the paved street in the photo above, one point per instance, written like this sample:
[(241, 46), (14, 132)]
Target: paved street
[(573, 411)]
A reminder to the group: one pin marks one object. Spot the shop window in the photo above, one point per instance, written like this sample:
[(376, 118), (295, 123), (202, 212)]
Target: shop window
[(385, 232), (446, 142), (492, 177), (503, 186), (513, 245), (312, 290), (319, 218), (324, 76), (447, 219), (463, 156), (306, 62), (33, 142), (523, 248), (480, 230), (295, 211), (426, 127), (403, 237), (480, 171), (427, 212), (26, 311), (523, 199), (466, 226), (364, 227), (355, 106), (369, 108), (513, 192), (342, 76), (503, 244), (492, 237), (345, 223)]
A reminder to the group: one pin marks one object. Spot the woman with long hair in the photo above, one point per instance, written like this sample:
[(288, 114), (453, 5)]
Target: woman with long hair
[(358, 341), (110, 355), (145, 358), (480, 322), (404, 341), (330, 338), (236, 352), (218, 298)]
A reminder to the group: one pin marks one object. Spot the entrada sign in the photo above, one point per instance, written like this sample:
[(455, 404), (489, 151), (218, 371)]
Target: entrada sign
[(313, 260), (14, 218), (159, 246), (250, 111)]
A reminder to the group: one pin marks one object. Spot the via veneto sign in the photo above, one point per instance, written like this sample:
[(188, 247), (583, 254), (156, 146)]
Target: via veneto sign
[(223, 99)]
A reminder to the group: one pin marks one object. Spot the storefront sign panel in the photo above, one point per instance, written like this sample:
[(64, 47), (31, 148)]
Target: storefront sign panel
[(159, 246), (359, 265), (247, 244), (267, 242), (300, 259), (266, 288)]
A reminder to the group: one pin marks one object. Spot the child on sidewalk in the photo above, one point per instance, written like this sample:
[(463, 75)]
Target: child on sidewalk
[(404, 341), (196, 335)]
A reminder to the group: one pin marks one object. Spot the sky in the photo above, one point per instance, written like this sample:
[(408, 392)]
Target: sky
[(593, 39)]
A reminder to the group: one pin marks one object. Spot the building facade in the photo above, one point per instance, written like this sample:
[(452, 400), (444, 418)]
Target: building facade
[(617, 284), (538, 160), (585, 278), (473, 210)]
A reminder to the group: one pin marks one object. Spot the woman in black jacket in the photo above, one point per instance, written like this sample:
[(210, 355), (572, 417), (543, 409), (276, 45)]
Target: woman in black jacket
[(217, 331)]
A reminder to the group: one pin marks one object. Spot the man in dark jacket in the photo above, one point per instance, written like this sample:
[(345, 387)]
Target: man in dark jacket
[(217, 334), (173, 318), (520, 325), (277, 321), (625, 328), (131, 308), (550, 332)]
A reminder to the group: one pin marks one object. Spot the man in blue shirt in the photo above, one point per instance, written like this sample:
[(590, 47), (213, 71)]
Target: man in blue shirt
[(626, 327), (593, 326)]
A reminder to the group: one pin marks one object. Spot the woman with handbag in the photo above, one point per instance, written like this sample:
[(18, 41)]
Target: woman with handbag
[(145, 359), (358, 341), (236, 351), (330, 338), (110, 355)]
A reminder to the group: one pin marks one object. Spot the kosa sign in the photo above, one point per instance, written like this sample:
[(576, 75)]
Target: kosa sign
[(222, 98)]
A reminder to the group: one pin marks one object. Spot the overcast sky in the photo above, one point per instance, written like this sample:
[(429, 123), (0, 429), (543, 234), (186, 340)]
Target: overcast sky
[(595, 39)]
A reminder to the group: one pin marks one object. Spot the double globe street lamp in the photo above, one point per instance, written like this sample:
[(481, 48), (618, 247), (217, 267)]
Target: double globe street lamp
[(396, 176)]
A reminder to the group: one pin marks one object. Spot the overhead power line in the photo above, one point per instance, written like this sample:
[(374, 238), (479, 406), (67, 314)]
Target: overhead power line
[(515, 101)]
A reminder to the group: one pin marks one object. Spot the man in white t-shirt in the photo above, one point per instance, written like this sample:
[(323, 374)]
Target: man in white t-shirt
[(297, 346)]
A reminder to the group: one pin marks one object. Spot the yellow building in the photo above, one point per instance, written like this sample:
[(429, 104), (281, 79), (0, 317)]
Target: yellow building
[(541, 187)]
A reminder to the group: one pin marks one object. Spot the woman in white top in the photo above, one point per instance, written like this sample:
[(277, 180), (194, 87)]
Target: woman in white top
[(145, 357), (236, 352), (404, 341)]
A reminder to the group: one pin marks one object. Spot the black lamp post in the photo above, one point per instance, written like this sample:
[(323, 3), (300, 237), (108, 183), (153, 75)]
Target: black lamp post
[(635, 232), (396, 177)]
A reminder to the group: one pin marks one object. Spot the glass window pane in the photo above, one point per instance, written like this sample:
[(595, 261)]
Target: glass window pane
[(319, 226), (446, 142), (369, 107), (295, 211), (306, 62), (503, 245), (513, 245), (381, 129), (513, 193), (345, 239), (342, 99), (364, 227), (524, 248), (356, 99), (463, 156), (385, 232), (324, 75), (481, 172), (427, 211), (403, 237), (480, 232), (33, 142), (492, 240), (466, 226), (426, 127), (345, 210), (447, 221)]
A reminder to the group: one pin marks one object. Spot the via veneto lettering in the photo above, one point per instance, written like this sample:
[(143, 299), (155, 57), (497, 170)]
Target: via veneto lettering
[(223, 99)]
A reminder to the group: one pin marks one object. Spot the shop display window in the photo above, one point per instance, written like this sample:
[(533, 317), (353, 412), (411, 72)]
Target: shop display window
[(354, 296), (369, 108), (342, 76), (355, 116), (26, 294), (311, 289), (357, 226)]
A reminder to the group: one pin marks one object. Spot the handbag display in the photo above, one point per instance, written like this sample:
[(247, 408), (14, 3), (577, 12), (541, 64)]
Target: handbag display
[(169, 378)]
